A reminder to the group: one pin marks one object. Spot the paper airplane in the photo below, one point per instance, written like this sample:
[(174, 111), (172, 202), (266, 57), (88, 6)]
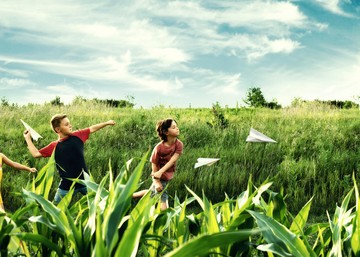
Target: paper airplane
[(205, 161), (256, 136), (33, 133)]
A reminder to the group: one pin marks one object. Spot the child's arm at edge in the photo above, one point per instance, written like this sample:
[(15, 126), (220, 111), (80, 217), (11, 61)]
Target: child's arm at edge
[(16, 165)]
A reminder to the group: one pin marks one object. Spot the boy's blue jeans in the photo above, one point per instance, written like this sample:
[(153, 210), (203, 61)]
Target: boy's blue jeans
[(60, 193)]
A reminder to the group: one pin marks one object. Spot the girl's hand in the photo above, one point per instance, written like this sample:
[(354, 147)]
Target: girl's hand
[(33, 170)]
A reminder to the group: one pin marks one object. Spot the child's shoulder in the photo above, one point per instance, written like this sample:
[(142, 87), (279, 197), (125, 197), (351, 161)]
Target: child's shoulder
[(179, 142)]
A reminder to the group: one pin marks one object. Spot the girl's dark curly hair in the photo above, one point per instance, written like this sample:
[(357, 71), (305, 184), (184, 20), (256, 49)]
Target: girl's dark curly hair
[(162, 127)]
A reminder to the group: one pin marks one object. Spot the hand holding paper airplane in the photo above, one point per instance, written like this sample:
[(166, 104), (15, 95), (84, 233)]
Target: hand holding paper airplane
[(33, 133), (205, 161), (256, 136)]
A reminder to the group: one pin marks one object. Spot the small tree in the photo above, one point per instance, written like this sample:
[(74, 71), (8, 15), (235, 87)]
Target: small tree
[(219, 120), (4, 101), (255, 97), (56, 101)]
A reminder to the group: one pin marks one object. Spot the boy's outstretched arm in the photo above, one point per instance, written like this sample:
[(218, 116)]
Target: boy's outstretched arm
[(32, 148), (96, 127)]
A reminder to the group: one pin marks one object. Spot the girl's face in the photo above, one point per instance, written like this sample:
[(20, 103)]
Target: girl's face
[(173, 130), (65, 127)]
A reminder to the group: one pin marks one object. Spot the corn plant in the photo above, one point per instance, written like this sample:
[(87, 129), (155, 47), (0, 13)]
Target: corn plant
[(91, 225), (105, 223)]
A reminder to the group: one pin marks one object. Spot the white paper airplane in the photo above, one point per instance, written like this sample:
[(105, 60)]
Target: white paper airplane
[(33, 133), (256, 136), (205, 161)]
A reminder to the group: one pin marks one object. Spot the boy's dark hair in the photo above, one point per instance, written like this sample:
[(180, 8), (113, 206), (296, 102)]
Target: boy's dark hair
[(56, 120), (162, 127)]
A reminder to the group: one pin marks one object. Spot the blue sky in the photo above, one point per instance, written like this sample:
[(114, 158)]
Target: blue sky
[(179, 53)]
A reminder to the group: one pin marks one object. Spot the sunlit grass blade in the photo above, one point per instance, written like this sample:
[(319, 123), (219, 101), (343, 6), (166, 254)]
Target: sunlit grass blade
[(198, 199), (44, 178), (182, 230), (245, 201), (300, 220)]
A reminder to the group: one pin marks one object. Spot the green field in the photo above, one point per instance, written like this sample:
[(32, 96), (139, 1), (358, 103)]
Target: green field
[(256, 201), (316, 154)]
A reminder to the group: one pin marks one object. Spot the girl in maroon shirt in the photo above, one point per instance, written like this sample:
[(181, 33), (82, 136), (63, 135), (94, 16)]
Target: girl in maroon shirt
[(163, 159)]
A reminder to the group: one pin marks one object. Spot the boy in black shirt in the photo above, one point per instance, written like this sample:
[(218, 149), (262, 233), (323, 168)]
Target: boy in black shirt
[(69, 152)]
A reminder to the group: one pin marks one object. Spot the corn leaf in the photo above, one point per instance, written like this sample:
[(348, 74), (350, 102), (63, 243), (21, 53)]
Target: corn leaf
[(355, 237), (119, 203), (340, 216), (203, 244), (273, 248), (40, 239), (278, 234), (59, 218), (300, 220)]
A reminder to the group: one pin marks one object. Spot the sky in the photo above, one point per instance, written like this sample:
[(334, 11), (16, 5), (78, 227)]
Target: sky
[(179, 53)]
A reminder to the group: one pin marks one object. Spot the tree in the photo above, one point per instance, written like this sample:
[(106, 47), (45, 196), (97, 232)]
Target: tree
[(56, 101), (255, 97), (4, 101)]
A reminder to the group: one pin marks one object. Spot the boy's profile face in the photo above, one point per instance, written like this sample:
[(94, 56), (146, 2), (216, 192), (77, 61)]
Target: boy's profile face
[(173, 130), (65, 127)]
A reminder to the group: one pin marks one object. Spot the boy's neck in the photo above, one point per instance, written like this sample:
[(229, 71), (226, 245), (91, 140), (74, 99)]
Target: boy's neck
[(171, 140), (61, 136)]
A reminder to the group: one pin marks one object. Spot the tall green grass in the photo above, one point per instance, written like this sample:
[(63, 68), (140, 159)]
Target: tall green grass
[(316, 153)]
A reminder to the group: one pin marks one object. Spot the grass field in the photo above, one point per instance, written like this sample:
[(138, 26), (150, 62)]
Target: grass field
[(256, 201), (316, 153)]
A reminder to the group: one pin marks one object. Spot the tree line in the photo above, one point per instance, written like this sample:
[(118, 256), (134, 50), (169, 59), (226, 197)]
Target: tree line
[(254, 98)]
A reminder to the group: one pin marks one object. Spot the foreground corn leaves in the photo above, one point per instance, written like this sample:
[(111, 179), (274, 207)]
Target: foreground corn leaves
[(108, 222)]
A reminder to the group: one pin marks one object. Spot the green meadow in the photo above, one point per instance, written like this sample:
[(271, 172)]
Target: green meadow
[(315, 158), (316, 154)]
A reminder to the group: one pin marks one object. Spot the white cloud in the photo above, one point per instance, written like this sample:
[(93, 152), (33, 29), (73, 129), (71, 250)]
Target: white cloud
[(256, 47), (15, 72), (168, 56), (65, 90), (14, 83), (149, 45), (333, 6)]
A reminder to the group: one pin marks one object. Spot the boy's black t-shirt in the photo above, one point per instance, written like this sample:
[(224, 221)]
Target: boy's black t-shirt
[(69, 157), (70, 161)]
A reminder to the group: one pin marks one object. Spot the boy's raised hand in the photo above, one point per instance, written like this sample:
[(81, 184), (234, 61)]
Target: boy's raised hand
[(27, 134), (111, 122)]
